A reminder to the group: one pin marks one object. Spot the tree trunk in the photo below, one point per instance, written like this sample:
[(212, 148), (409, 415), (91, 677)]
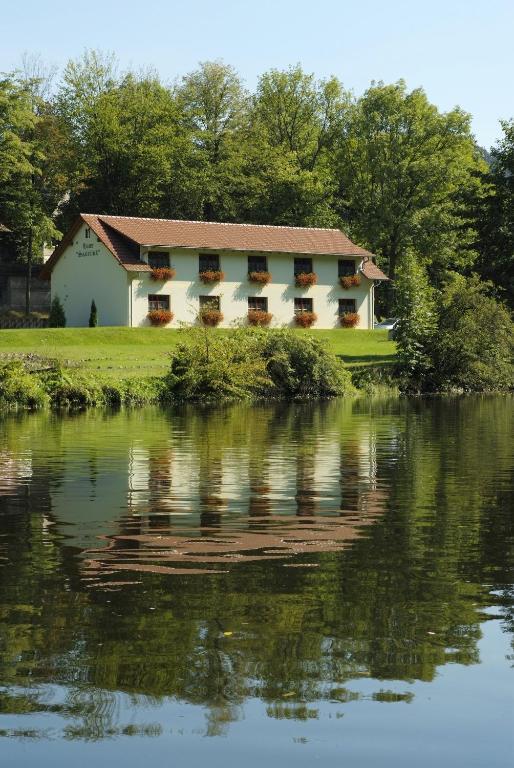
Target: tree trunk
[(29, 274)]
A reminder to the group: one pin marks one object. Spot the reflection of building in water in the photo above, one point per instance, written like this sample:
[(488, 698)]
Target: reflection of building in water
[(318, 477), (15, 472)]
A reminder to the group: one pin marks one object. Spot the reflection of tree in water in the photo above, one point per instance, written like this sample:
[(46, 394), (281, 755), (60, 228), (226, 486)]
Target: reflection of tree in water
[(394, 605)]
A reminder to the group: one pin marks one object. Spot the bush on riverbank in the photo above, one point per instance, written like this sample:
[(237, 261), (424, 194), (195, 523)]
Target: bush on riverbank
[(473, 347), (459, 339), (253, 364), (21, 389), (29, 385)]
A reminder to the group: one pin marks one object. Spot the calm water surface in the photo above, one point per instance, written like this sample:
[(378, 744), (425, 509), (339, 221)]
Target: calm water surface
[(327, 584)]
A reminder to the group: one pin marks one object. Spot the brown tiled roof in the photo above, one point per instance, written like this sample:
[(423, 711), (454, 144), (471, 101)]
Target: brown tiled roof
[(123, 235), (124, 251), (234, 237), (370, 270)]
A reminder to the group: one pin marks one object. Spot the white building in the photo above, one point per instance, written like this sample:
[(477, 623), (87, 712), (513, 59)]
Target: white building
[(113, 260)]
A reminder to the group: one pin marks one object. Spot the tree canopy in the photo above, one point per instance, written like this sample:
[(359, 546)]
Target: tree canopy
[(389, 167)]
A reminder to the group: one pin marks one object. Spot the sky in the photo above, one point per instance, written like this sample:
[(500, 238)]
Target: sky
[(460, 51)]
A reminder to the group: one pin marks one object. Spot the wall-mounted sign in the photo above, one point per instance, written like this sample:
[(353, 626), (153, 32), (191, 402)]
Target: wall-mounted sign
[(88, 249)]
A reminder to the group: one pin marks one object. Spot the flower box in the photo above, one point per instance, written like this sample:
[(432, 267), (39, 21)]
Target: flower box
[(259, 277), (211, 276), (349, 319), (162, 273), (305, 279), (160, 316), (259, 317), (305, 319), (211, 317), (350, 281)]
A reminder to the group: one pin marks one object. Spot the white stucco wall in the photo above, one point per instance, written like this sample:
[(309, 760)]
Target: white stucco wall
[(87, 270), (185, 288)]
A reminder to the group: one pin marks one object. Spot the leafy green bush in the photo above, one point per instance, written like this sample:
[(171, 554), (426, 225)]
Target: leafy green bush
[(252, 364), (68, 389), (207, 366), (57, 318), (20, 389), (473, 347), (417, 315), (301, 366)]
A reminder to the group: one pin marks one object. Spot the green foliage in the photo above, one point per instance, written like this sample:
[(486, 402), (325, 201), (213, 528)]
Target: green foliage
[(496, 218), (57, 318), (93, 315), (253, 364), (29, 190), (402, 177), (405, 169), (20, 389), (301, 366), (416, 311), (473, 347), (208, 367)]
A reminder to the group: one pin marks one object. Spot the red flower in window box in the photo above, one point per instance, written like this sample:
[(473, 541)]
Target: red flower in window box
[(259, 317), (305, 319), (211, 276), (349, 319), (350, 281), (259, 277), (160, 316), (305, 279), (162, 273), (210, 316)]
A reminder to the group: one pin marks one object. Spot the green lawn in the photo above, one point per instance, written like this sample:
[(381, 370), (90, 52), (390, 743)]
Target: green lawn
[(122, 352)]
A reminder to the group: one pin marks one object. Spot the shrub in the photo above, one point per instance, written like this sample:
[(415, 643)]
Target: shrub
[(259, 277), (19, 388), (416, 311), (208, 367), (259, 317), (473, 346), (162, 273), (305, 279), (160, 316), (211, 316), (350, 281), (93, 315), (305, 319), (252, 364), (57, 318), (302, 367), (211, 276), (349, 319)]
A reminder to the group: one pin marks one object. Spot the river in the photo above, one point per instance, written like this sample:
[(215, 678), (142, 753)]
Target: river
[(317, 583)]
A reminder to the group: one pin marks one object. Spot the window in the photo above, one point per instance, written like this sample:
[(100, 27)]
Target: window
[(346, 305), (302, 305), (302, 266), (258, 302), (158, 301), (158, 260), (87, 234), (209, 302), (346, 267), (257, 264), (208, 262)]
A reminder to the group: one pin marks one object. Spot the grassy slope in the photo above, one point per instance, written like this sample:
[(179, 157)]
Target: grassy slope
[(121, 352)]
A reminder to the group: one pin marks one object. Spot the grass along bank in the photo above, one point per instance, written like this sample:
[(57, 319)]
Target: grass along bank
[(125, 353), (204, 366)]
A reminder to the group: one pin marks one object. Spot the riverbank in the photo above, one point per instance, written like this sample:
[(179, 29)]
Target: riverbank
[(114, 366), (122, 353)]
